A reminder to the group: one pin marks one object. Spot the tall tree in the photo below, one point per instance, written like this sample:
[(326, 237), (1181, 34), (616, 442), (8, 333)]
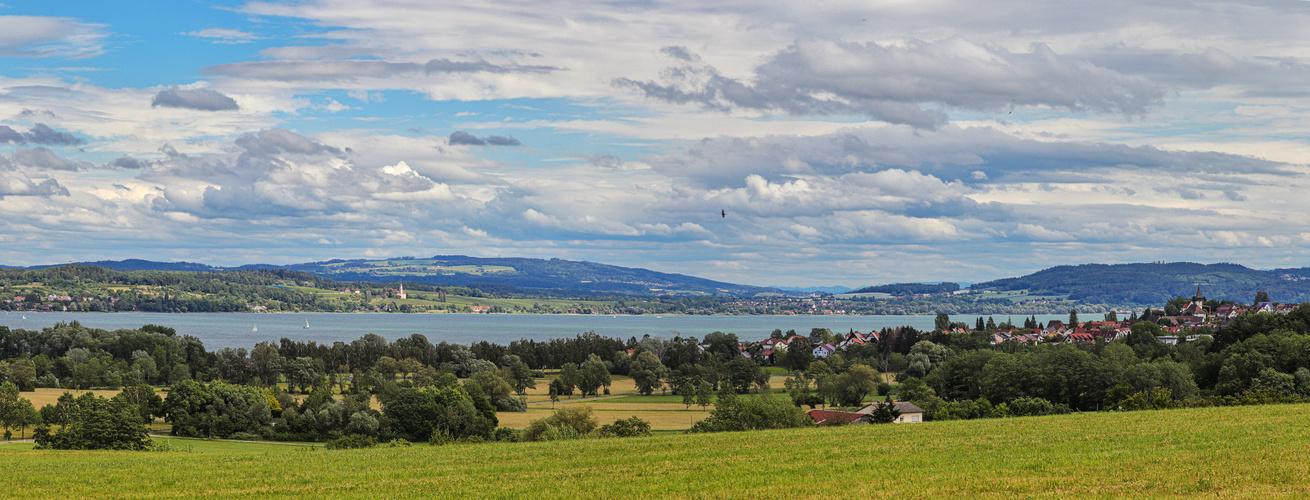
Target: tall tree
[(647, 372), (942, 322), (1073, 318)]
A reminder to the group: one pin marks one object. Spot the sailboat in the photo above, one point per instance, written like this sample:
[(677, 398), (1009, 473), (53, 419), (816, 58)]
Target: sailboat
[(255, 329), (306, 323)]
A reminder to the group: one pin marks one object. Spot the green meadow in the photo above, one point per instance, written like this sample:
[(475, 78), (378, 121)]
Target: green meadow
[(1254, 451)]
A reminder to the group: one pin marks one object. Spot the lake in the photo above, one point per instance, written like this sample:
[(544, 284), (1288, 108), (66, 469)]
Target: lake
[(219, 330)]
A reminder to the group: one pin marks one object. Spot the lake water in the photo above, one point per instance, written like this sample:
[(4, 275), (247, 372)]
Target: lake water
[(219, 330)]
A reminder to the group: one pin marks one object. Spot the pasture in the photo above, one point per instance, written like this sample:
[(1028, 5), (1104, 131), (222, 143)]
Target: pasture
[(1232, 451)]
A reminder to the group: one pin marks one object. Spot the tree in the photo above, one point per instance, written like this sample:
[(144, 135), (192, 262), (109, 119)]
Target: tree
[(594, 374), (267, 363), (569, 378), (885, 412), (647, 372), (704, 394), (798, 356), (144, 400), (97, 424), (1260, 296), (942, 322), (520, 376), (1073, 318), (978, 325), (857, 383), (1112, 316), (11, 409)]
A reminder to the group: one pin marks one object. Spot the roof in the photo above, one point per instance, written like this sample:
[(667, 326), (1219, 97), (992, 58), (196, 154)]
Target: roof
[(830, 417), (907, 407)]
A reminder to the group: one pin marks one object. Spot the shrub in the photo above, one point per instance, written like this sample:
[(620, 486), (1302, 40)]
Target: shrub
[(510, 404), (732, 413), (1030, 407), (628, 427), (565, 423), (245, 436), (351, 442), (505, 434)]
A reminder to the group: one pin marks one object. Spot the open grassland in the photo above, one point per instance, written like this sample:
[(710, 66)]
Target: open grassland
[(1238, 451)]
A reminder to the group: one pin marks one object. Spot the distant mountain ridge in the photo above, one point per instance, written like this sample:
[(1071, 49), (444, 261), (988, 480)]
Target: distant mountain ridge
[(489, 274), (1152, 284)]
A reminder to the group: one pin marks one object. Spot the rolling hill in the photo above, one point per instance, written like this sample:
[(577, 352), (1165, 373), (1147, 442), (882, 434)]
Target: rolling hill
[(1155, 283), (543, 276)]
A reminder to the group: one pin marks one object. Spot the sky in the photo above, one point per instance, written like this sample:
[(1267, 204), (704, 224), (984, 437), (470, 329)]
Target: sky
[(764, 143)]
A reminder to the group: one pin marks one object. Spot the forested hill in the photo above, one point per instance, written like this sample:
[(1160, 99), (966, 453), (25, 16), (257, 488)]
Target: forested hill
[(539, 275), (551, 277), (1155, 283), (911, 288)]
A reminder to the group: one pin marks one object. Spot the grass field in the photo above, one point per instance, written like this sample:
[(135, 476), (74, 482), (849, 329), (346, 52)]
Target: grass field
[(1238, 452)]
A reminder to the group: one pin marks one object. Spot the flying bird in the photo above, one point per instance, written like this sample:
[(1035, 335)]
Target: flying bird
[(723, 213)]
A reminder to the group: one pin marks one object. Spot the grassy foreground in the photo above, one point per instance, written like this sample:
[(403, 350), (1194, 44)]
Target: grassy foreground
[(1243, 451)]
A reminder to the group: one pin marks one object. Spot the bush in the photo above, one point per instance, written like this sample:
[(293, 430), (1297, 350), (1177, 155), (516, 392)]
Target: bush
[(628, 427), (884, 389), (245, 436), (166, 445), (351, 442), (732, 413), (507, 435), (440, 438), (1031, 407), (399, 443), (510, 404), (565, 423)]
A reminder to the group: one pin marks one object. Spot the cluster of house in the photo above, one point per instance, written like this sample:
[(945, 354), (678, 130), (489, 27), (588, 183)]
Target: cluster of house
[(49, 301), (1195, 315), (817, 346), (909, 413)]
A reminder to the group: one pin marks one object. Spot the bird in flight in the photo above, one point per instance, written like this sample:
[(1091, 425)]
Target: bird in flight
[(723, 213)]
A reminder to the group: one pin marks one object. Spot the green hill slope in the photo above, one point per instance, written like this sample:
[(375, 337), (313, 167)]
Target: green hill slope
[(1154, 284), (1231, 451)]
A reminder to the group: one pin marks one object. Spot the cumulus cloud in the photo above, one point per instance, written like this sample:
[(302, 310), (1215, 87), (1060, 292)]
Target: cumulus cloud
[(462, 138), (950, 152), (680, 53), (274, 141), (129, 163), (37, 36), (197, 99), (9, 135), (892, 82), (281, 173), (314, 71), (17, 184), (224, 35), (45, 159), (351, 70), (40, 133), (449, 66)]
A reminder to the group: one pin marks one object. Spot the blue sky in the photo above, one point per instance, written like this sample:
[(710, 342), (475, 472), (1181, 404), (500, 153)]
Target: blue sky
[(849, 143)]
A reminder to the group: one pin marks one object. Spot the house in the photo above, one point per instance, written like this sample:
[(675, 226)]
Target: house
[(830, 417), (824, 350), (910, 412), (1196, 307)]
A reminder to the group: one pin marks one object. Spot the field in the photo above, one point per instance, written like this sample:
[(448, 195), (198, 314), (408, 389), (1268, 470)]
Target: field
[(1239, 451)]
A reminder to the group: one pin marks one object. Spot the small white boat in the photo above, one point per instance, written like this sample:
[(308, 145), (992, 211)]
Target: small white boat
[(306, 323), (255, 329)]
